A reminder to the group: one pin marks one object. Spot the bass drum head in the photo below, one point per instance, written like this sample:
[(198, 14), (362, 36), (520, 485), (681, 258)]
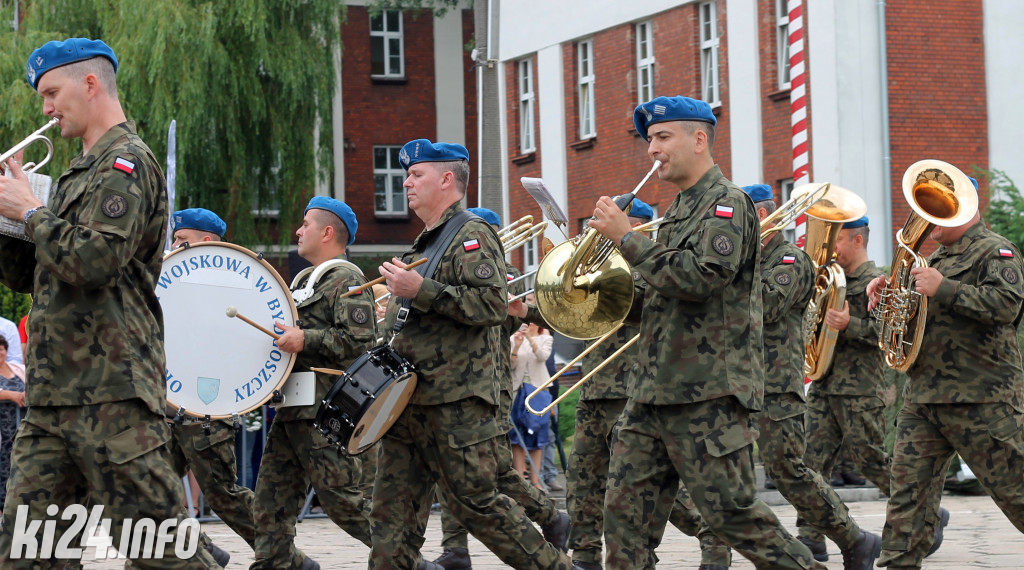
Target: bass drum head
[(382, 412), (218, 365)]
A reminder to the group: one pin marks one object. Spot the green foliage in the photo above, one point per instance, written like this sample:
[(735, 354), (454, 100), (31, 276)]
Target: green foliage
[(1005, 211), (246, 81), (13, 305), (439, 7)]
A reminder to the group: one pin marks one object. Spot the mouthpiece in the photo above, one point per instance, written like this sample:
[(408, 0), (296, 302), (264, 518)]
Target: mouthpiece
[(231, 312)]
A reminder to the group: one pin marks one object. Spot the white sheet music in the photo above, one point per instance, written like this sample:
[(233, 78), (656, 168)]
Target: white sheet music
[(41, 188), (551, 209)]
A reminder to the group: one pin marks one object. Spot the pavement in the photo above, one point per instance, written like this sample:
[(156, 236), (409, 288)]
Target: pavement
[(978, 536)]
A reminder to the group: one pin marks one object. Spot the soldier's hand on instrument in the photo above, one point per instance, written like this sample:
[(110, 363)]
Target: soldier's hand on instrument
[(293, 340), (517, 308), (874, 291), (839, 320), (401, 282), (926, 280), (16, 195), (610, 220)]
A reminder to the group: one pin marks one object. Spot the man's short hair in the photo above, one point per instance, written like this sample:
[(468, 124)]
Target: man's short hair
[(863, 231), (769, 205), (326, 218), (101, 67), (690, 127), (459, 169)]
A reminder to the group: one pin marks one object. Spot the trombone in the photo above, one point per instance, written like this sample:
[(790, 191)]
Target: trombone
[(30, 167), (802, 200), (520, 232)]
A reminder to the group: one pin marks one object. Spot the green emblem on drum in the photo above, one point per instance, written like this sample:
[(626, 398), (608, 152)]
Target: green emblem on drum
[(207, 389)]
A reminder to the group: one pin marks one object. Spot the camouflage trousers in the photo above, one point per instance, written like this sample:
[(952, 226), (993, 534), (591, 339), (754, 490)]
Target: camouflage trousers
[(456, 447), (989, 438), (296, 456), (210, 454), (113, 455), (708, 447), (853, 423), (686, 518), (587, 476), (781, 447)]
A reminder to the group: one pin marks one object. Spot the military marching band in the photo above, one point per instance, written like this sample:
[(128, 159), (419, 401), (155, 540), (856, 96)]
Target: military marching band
[(707, 332)]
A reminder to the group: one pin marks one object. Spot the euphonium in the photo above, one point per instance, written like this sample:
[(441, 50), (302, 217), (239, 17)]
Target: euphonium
[(30, 167), (939, 195), (824, 221)]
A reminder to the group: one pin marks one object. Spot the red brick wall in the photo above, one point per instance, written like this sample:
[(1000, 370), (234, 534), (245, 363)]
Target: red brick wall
[(370, 117), (937, 98)]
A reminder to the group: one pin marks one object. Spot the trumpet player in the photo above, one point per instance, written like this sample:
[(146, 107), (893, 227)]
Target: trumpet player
[(700, 375), (787, 283), (964, 392)]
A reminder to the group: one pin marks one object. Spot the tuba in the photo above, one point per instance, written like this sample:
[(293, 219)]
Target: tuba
[(824, 221), (939, 194)]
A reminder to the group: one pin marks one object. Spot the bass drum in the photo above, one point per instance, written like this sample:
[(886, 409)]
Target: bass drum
[(219, 366)]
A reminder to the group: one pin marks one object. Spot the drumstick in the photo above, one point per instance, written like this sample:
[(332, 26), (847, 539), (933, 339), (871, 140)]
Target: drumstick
[(365, 286), (233, 312), (330, 371)]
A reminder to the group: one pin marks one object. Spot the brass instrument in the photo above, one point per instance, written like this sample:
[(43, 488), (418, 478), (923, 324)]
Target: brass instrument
[(824, 221), (30, 167), (520, 232), (584, 287), (939, 195), (802, 198)]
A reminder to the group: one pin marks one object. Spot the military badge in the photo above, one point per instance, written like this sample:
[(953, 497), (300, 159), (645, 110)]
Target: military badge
[(1010, 275), (124, 165), (114, 206), (1003, 252), (484, 271), (359, 315), (722, 244), (723, 211), (207, 389), (782, 278), (636, 275)]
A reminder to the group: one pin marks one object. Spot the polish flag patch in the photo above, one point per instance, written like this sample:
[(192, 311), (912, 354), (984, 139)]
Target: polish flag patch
[(509, 276), (788, 259), (1003, 252), (124, 165), (723, 211), (471, 245)]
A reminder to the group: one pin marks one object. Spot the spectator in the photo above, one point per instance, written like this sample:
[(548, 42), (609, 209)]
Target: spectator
[(12, 399), (531, 346), (10, 330)]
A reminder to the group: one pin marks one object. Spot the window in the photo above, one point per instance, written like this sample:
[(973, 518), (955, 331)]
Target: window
[(585, 76), (386, 45), (526, 136), (782, 42), (709, 53), (786, 190), (531, 260), (388, 176), (645, 61)]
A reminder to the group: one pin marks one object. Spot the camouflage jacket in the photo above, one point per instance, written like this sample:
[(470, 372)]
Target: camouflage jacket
[(701, 328), (612, 381), (451, 335), (787, 283), (857, 367), (337, 331), (96, 332), (969, 351)]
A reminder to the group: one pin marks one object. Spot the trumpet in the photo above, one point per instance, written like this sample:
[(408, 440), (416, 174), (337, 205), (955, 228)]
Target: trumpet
[(30, 167)]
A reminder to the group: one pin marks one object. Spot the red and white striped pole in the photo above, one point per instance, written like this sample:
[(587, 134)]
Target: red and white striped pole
[(798, 106)]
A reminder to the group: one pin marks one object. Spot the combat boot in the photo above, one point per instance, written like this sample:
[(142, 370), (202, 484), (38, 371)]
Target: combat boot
[(218, 554), (557, 531), (862, 555), (309, 564), (424, 565), (943, 521), (712, 567), (454, 559), (577, 565), (818, 549)]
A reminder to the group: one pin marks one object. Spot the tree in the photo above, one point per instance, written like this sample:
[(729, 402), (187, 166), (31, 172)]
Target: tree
[(247, 81), (1005, 211)]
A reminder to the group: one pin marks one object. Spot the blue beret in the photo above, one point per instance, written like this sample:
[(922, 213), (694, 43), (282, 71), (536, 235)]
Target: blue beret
[(678, 108), (641, 210), (856, 223), (489, 216), (422, 150), (759, 192), (338, 208), (55, 54), (973, 181), (199, 219)]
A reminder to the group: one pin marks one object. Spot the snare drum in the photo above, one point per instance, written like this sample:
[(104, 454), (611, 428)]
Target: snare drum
[(218, 365), (366, 400)]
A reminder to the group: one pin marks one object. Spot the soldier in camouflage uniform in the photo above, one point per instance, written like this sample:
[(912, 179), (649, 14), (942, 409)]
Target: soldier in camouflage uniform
[(845, 407), (333, 332), (965, 392), (787, 283), (95, 425), (450, 433), (538, 507), (700, 375), (601, 401)]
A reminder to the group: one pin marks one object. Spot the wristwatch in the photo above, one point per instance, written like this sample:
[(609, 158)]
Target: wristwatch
[(624, 238), (29, 213)]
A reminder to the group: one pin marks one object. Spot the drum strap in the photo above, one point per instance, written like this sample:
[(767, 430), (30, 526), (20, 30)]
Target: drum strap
[(434, 251), (306, 292)]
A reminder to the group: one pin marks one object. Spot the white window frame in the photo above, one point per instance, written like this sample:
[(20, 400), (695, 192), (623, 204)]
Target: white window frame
[(524, 75), (786, 191), (782, 43), (385, 36), (644, 61), (391, 171), (709, 70), (585, 80), (531, 259)]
